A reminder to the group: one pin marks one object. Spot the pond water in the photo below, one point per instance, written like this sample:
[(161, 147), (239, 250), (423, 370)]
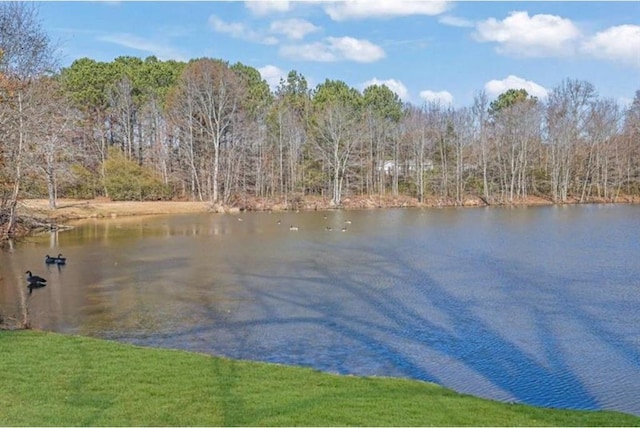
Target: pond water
[(538, 305)]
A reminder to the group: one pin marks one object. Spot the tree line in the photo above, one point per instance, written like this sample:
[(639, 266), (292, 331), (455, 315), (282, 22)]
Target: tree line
[(208, 130)]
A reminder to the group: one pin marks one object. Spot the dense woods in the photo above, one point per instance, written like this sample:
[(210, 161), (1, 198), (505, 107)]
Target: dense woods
[(146, 129)]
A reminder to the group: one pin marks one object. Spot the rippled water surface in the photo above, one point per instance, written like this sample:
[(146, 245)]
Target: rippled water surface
[(536, 305)]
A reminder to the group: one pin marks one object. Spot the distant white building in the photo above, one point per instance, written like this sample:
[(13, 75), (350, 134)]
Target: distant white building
[(389, 167)]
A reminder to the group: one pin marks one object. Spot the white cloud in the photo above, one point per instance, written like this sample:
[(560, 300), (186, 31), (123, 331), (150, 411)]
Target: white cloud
[(535, 36), (442, 97), (359, 9), (264, 7), (335, 49), (235, 29), (394, 85), (455, 21), (620, 43), (497, 87), (318, 52), (159, 49), (356, 49), (239, 30), (294, 28), (272, 75)]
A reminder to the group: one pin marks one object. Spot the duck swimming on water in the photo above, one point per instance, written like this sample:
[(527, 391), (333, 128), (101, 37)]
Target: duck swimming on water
[(34, 279), (55, 260)]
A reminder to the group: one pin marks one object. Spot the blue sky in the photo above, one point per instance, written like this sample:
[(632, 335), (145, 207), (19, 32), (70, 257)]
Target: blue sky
[(423, 50)]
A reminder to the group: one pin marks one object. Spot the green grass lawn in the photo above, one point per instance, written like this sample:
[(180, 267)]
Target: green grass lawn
[(53, 379)]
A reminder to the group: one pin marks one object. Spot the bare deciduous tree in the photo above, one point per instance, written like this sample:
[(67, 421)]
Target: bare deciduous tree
[(52, 124), (25, 55), (480, 113), (337, 136), (213, 94), (568, 110)]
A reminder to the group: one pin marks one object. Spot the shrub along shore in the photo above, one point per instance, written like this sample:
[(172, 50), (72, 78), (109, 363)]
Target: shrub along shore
[(51, 379)]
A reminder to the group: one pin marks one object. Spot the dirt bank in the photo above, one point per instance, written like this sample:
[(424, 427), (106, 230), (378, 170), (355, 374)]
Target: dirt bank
[(69, 209)]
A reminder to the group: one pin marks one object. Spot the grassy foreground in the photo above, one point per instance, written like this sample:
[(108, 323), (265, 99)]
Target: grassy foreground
[(49, 379)]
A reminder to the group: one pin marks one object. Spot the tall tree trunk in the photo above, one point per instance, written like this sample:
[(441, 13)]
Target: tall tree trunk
[(13, 201)]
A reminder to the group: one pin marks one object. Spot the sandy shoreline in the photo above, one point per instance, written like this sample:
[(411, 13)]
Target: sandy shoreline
[(71, 209)]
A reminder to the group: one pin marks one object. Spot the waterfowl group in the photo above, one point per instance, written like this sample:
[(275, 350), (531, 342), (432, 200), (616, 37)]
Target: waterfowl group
[(327, 228), (55, 260), (36, 281)]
